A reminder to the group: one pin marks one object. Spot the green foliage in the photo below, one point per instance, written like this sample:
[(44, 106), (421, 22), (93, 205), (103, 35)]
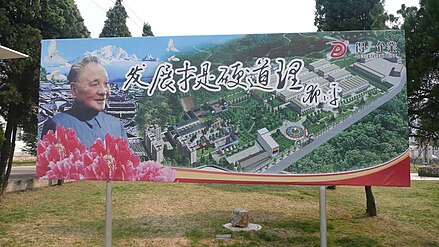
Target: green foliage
[(115, 25), (284, 143), (43, 74), (251, 116), (19, 94), (379, 137), (4, 71), (23, 23), (62, 19), (31, 142), (249, 47), (378, 16), (428, 171), (50, 19), (422, 39), (382, 134), (163, 109), (344, 15), (147, 31)]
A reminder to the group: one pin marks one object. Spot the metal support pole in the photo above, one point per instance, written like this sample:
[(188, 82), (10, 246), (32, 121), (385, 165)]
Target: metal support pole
[(108, 212), (323, 242)]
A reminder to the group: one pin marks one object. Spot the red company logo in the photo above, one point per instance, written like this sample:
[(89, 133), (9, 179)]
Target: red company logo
[(339, 49)]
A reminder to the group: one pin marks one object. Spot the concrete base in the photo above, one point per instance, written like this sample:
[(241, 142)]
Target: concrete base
[(25, 184), (250, 227)]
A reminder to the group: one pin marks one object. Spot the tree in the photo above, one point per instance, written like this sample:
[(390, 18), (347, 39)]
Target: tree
[(3, 76), (378, 16), (147, 31), (116, 23), (23, 23), (343, 15), (30, 139), (61, 19), (421, 26)]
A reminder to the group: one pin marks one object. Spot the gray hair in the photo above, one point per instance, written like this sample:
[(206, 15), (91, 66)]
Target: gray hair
[(78, 68)]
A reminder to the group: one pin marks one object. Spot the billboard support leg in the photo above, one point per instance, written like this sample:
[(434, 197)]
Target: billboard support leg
[(108, 212), (323, 242)]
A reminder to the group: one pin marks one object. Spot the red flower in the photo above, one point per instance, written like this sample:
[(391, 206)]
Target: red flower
[(110, 160), (68, 168), (56, 146), (62, 156), (153, 171)]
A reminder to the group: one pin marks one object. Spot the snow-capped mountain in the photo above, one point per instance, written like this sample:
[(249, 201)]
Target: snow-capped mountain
[(115, 59), (150, 58), (110, 54)]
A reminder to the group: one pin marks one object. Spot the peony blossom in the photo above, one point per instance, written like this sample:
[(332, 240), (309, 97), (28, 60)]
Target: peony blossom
[(110, 160), (153, 171), (62, 156), (68, 168), (57, 146)]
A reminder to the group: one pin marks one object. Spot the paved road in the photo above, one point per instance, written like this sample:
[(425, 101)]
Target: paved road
[(291, 159), (415, 176)]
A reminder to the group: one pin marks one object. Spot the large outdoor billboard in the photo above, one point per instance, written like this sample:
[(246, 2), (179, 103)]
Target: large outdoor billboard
[(326, 108)]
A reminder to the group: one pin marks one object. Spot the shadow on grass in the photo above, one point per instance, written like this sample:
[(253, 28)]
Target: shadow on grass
[(198, 228), (354, 241), (293, 192), (310, 226)]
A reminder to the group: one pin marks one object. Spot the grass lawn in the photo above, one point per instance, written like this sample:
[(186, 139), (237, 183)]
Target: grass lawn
[(24, 163), (284, 143), (158, 214)]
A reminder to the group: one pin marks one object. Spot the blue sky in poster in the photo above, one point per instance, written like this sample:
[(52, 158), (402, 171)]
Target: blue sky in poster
[(71, 49)]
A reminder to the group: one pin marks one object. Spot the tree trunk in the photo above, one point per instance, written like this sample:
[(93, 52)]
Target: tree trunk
[(5, 154), (11, 157), (371, 209)]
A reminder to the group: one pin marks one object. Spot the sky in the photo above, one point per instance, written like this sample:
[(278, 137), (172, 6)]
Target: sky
[(201, 17)]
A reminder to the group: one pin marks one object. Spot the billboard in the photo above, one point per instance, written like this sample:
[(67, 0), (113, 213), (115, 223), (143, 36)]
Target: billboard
[(326, 108)]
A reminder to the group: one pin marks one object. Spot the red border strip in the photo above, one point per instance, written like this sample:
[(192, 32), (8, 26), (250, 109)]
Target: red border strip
[(393, 173)]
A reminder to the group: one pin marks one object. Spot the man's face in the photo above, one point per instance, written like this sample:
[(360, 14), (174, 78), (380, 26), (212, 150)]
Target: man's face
[(92, 88)]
